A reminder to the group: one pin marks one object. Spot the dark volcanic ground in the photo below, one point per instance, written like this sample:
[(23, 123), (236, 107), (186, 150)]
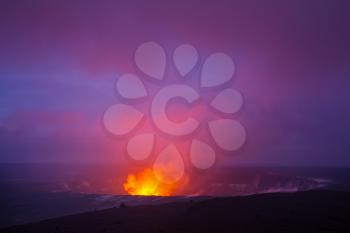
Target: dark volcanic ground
[(312, 211)]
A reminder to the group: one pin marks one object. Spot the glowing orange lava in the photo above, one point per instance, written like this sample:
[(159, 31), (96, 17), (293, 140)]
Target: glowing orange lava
[(146, 183)]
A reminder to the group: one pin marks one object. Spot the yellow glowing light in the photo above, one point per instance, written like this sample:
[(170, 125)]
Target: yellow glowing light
[(146, 183)]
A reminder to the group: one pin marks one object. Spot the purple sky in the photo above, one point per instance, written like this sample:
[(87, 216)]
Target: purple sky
[(59, 61)]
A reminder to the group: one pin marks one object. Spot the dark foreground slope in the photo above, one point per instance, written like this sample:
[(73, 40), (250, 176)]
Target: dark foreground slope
[(314, 211)]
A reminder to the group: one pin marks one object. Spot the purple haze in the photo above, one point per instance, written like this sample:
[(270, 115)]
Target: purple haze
[(59, 61)]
